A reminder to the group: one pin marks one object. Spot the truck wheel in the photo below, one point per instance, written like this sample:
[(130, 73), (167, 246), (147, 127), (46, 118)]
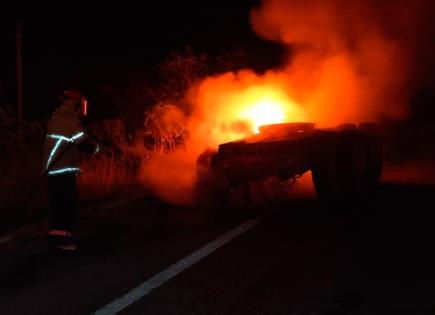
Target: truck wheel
[(374, 154), (211, 189), (324, 168), (352, 165)]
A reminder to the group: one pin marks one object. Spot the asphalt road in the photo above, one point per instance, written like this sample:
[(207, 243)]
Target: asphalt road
[(288, 257)]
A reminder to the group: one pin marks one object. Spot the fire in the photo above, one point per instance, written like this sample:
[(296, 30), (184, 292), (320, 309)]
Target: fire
[(234, 105), (348, 62), (265, 107), (265, 112)]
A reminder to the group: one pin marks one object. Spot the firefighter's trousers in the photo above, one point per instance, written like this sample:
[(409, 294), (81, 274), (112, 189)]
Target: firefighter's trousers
[(62, 191)]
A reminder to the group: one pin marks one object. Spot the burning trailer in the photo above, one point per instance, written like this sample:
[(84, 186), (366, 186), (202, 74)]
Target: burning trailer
[(345, 162)]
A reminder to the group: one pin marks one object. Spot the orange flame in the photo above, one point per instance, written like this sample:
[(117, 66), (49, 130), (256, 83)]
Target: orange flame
[(235, 105), (228, 107), (264, 105), (349, 62)]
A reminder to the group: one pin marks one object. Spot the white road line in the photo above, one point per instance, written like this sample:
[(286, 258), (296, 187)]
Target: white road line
[(146, 287)]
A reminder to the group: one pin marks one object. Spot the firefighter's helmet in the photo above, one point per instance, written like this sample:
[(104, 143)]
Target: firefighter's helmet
[(78, 99)]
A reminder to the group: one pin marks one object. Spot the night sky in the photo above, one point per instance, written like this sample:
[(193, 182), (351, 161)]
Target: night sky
[(114, 42)]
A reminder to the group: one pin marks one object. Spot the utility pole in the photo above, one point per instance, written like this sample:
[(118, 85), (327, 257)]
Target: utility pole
[(19, 64)]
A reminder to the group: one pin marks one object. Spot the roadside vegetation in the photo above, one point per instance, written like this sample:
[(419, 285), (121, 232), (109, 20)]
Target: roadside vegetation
[(116, 171)]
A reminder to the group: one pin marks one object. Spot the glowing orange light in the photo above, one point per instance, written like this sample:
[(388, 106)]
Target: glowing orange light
[(263, 113), (234, 107), (265, 105)]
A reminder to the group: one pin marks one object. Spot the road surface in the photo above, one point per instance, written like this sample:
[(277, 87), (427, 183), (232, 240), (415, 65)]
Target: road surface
[(287, 257)]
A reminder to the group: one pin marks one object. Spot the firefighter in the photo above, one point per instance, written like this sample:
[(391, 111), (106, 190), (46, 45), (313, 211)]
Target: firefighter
[(66, 137)]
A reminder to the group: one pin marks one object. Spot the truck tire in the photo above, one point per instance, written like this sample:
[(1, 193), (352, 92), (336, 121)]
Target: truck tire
[(352, 165), (374, 154), (324, 167), (211, 189), (348, 164)]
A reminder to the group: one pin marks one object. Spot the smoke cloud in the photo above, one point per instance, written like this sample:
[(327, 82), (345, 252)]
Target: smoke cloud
[(352, 60), (348, 61)]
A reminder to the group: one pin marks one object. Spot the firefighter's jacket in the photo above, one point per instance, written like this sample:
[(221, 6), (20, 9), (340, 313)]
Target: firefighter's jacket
[(65, 132)]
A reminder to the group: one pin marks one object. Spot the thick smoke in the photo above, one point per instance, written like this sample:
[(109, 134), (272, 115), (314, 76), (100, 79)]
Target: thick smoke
[(219, 105), (351, 60)]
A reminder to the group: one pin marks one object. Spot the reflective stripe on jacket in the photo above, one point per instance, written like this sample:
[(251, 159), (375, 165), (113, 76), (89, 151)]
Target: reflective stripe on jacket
[(64, 131)]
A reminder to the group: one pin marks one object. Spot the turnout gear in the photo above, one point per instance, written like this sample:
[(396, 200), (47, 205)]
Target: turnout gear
[(66, 136), (64, 132)]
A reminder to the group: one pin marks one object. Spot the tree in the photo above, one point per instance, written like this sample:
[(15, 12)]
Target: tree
[(178, 73)]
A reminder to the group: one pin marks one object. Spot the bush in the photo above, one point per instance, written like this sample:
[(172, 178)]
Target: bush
[(20, 165), (115, 170)]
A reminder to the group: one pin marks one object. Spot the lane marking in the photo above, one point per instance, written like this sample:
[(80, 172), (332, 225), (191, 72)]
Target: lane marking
[(156, 281)]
